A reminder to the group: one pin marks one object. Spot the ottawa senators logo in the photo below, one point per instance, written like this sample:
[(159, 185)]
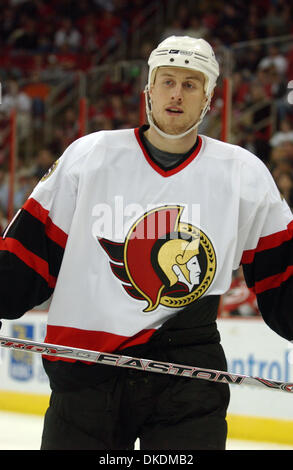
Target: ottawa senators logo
[(163, 260)]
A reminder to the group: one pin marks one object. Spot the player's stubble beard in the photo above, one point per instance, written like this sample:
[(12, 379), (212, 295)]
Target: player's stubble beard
[(174, 128)]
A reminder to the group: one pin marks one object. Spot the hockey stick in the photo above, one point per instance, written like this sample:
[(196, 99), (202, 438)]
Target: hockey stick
[(146, 365)]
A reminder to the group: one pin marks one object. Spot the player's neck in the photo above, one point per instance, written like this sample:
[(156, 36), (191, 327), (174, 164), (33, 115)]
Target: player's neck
[(182, 145)]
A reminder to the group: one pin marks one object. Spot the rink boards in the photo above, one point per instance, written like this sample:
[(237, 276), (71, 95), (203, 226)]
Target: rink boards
[(251, 349)]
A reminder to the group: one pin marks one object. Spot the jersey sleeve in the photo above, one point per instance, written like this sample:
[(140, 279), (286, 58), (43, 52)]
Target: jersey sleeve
[(267, 259), (32, 246)]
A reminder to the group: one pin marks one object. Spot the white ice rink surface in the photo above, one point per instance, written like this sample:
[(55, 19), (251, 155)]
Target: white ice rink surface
[(23, 432)]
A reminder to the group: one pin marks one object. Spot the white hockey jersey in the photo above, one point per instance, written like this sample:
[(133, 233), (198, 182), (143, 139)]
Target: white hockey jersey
[(123, 245)]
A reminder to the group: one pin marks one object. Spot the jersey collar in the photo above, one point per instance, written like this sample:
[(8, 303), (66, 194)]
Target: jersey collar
[(165, 172)]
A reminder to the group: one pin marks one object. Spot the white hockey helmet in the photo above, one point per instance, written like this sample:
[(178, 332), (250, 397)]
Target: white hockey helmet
[(186, 52)]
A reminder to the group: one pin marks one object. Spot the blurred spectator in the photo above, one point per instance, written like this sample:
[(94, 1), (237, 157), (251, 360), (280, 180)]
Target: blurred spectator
[(25, 37), (240, 91), (110, 31), (23, 187), (284, 181), (278, 83), (8, 23), (252, 27), (196, 28), (108, 25), (275, 84), (183, 14), (24, 183), (286, 150), (249, 140), (68, 60), (57, 144), (45, 9), (14, 98), (118, 110), (239, 300), (132, 117), (285, 134), (63, 134), (231, 22), (54, 70), (247, 60), (69, 126), (67, 35), (258, 118), (106, 4), (274, 58), (45, 41), (281, 159), (145, 50), (175, 28), (276, 20), (43, 162), (90, 36), (38, 91), (100, 114)]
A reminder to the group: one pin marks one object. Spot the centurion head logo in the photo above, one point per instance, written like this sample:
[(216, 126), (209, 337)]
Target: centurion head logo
[(163, 260)]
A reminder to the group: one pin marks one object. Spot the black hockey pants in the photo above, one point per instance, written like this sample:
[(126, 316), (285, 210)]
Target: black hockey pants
[(164, 412)]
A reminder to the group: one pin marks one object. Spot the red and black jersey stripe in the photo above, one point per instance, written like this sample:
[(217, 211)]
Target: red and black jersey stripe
[(31, 254), (268, 271)]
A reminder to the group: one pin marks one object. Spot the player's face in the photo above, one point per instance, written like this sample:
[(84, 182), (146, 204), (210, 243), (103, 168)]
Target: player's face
[(178, 98)]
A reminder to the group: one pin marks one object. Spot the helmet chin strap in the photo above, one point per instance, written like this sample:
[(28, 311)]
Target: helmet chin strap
[(164, 134)]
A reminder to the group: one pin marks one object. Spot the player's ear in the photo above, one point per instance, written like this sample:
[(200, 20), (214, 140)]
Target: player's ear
[(151, 89), (204, 102), (153, 79)]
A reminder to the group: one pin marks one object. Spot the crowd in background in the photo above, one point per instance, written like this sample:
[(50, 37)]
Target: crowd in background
[(42, 42)]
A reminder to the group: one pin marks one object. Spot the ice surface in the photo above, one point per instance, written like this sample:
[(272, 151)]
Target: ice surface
[(23, 432)]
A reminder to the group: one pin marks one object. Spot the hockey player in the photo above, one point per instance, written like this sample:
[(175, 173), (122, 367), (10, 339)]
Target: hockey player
[(135, 234)]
